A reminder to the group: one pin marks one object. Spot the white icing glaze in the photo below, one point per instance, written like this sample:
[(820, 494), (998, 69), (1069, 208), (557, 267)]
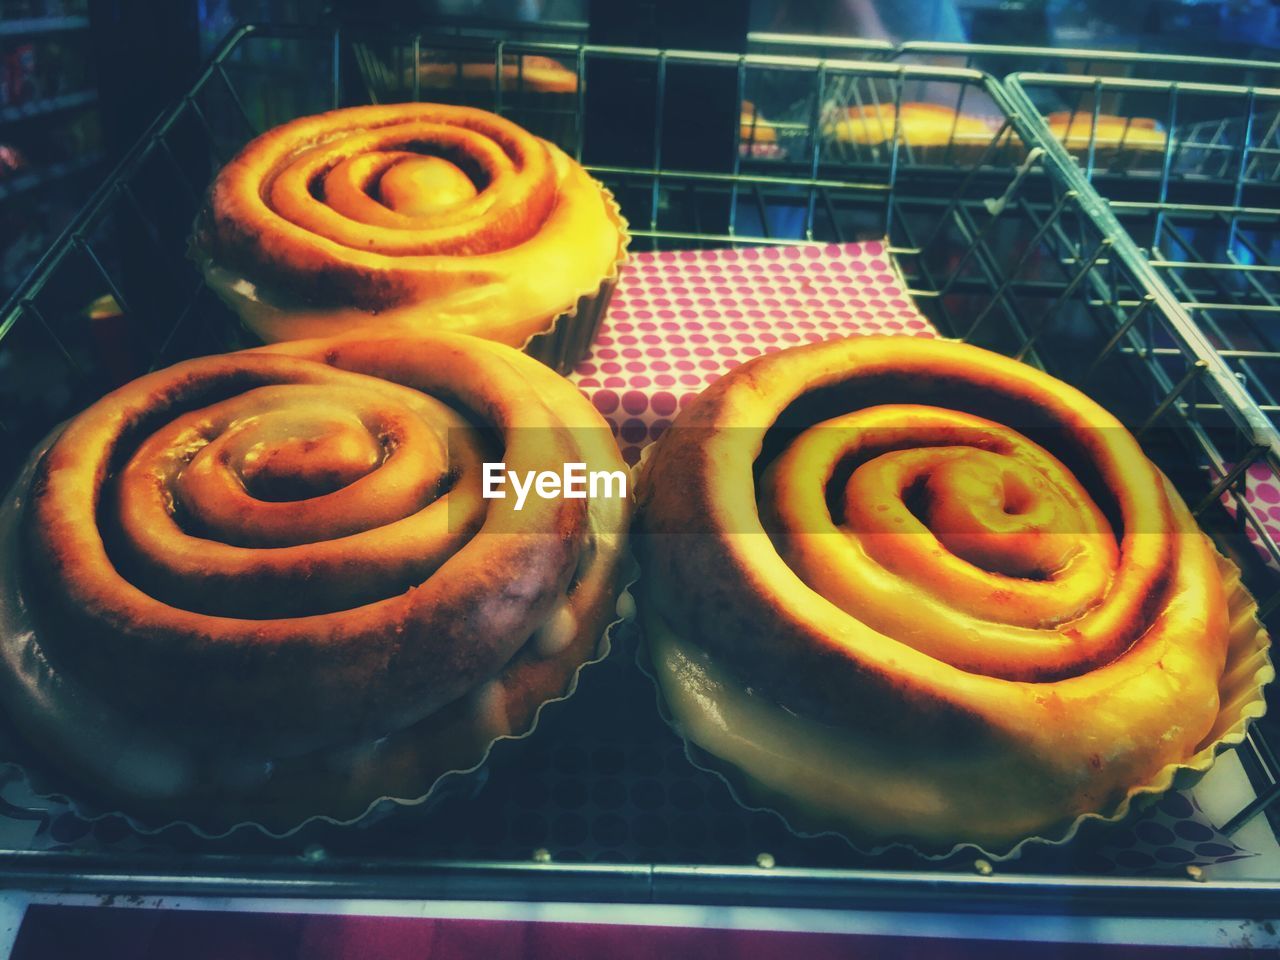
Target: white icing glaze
[(266, 310), (75, 722), (68, 719), (817, 767), (488, 705), (554, 637), (825, 778), (626, 607)]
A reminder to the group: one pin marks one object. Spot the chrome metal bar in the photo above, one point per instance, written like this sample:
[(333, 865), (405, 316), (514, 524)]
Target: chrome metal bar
[(660, 101), (737, 146)]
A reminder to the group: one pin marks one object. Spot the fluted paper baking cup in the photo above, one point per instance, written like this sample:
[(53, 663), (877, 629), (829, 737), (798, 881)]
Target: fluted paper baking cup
[(1247, 671), (571, 334), (565, 340), (47, 779)]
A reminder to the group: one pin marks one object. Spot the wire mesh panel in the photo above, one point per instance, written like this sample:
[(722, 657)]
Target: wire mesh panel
[(998, 246), (1202, 204), (1001, 60), (1197, 209)]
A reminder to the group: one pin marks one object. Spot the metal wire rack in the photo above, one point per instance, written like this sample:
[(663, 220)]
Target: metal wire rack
[(1001, 60), (1001, 245), (1203, 210)]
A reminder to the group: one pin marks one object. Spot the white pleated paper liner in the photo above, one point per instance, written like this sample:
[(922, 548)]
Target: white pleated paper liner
[(46, 784), (569, 337), (565, 341), (40, 789), (1247, 671)]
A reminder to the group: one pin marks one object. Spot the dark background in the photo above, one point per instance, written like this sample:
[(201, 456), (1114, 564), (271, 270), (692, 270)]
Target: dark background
[(81, 79)]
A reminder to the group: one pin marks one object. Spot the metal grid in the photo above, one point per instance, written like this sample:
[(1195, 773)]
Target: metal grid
[(1203, 212), (1001, 60), (998, 247)]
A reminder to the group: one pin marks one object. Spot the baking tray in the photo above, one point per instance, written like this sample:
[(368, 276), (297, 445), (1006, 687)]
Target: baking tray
[(1004, 248)]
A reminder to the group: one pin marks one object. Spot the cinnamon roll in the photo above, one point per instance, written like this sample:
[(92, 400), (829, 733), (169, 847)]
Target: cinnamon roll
[(913, 590), (1111, 137), (269, 585), (917, 125), (409, 218), (753, 128), (531, 73)]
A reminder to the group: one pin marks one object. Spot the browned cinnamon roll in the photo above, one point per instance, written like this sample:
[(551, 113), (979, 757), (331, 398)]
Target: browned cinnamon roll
[(913, 590), (410, 218), (268, 585)]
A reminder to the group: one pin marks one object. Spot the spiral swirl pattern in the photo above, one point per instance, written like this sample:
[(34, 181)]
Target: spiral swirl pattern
[(286, 549), (452, 209), (990, 638)]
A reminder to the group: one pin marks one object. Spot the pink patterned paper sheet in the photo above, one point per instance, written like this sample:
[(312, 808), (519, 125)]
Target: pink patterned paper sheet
[(679, 321), (1262, 491)]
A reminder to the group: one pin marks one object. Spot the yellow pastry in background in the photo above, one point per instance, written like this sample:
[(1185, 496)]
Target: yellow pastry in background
[(755, 128), (1077, 130), (918, 124)]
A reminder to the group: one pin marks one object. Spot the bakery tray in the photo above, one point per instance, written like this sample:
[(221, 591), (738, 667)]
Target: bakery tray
[(1002, 246)]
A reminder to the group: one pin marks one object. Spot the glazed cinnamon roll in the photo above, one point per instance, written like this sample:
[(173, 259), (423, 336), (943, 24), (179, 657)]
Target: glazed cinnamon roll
[(529, 73), (916, 124), (1111, 138), (913, 590), (269, 584), (409, 218)]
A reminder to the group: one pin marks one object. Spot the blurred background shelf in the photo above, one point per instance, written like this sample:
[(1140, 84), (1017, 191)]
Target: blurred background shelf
[(48, 175), (40, 108), (82, 78), (51, 126), (34, 25)]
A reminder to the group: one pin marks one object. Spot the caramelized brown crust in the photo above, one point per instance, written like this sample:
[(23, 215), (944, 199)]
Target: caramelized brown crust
[(458, 210), (391, 589), (911, 568)]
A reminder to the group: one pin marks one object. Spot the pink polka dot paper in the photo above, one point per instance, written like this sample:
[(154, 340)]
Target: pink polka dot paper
[(680, 320), (1262, 492)]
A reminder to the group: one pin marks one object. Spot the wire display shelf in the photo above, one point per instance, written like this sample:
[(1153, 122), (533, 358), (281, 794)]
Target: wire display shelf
[(1002, 60), (1004, 245), (1202, 209)]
